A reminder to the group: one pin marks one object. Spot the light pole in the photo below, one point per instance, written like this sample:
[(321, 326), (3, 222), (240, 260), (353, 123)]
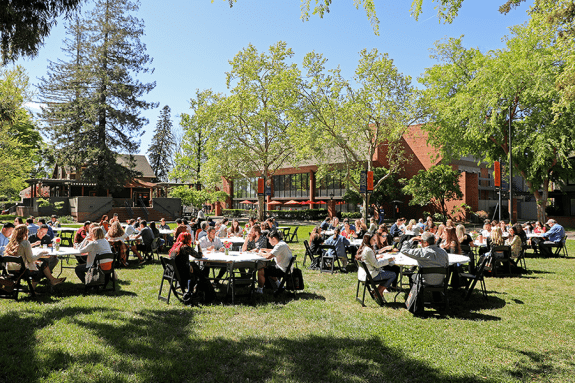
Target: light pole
[(510, 172)]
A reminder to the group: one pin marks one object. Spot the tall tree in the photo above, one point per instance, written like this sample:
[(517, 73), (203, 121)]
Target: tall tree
[(351, 128), (25, 23), (256, 124), (475, 96), (437, 185), (161, 150), (19, 137), (198, 127), (111, 97)]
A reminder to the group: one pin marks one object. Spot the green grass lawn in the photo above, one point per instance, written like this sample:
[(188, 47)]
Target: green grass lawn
[(524, 332)]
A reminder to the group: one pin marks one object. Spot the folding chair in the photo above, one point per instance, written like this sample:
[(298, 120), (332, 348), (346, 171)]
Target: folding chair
[(290, 236), (148, 254), (440, 289), (561, 246), (172, 276), (308, 253), (108, 269), (472, 279), (15, 276), (331, 258), (242, 274), (288, 276), (466, 250), (66, 238), (501, 254), (370, 285)]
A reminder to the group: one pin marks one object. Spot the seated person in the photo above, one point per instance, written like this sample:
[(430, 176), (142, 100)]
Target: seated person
[(375, 265), (168, 238), (464, 238), (81, 233), (50, 233), (395, 230), (255, 240), (315, 240), (97, 244), (5, 234), (18, 246), (54, 221), (116, 237), (235, 230), (204, 225), (451, 243), (181, 252), (514, 241), (143, 240), (551, 238), (41, 238), (210, 242), (334, 223), (347, 231), (130, 229), (429, 255), (360, 228), (282, 255), (32, 227), (340, 244), (325, 224)]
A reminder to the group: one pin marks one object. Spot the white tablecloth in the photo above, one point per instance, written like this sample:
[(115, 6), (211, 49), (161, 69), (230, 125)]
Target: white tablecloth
[(234, 256), (165, 231), (62, 252), (403, 260), (65, 229)]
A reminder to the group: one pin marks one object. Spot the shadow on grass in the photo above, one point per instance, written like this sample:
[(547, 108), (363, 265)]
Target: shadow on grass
[(161, 345), (533, 365)]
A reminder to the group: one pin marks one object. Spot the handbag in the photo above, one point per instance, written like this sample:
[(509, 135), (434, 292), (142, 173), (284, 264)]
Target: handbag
[(413, 301), (297, 280), (95, 276)]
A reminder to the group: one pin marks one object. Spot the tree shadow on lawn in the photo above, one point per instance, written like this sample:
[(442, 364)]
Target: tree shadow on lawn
[(542, 365), (161, 345)]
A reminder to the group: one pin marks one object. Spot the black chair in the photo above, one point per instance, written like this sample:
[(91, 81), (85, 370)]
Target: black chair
[(332, 259), (288, 275), (472, 279), (467, 250), (501, 254), (109, 272), (15, 276), (242, 274), (370, 285), (436, 289), (308, 253), (66, 238), (172, 276), (154, 247), (561, 246), (291, 236)]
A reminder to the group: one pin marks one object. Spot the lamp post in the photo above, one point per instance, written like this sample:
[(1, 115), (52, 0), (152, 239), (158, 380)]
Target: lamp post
[(510, 172)]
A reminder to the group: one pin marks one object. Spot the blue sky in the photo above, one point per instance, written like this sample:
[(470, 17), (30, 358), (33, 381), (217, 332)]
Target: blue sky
[(191, 41)]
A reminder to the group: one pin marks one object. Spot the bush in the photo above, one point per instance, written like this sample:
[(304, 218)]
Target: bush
[(8, 217), (351, 215), (233, 213), (308, 215)]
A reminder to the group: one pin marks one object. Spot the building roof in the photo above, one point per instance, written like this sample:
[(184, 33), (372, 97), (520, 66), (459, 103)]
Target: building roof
[(141, 164)]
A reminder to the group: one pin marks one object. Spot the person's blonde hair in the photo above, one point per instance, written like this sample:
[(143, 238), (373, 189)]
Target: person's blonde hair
[(497, 237), (98, 233), (460, 230), (116, 230), (19, 234)]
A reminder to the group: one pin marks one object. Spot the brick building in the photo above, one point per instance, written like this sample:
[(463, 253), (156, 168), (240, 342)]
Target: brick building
[(300, 183)]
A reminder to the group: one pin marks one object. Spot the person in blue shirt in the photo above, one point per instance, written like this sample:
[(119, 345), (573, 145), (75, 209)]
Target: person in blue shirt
[(381, 214), (340, 243), (395, 231), (42, 221), (552, 238), (32, 228), (5, 234)]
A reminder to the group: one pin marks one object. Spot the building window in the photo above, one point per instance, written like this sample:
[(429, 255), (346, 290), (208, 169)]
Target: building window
[(291, 186), (246, 188), (330, 184)]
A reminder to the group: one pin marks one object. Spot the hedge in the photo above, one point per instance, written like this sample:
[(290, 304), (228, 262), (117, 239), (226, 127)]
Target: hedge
[(309, 214)]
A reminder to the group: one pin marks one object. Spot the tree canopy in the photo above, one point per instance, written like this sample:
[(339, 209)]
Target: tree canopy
[(161, 150), (437, 185), (25, 23), (474, 95)]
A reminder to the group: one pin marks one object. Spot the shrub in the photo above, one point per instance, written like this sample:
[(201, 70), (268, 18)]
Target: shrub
[(351, 215), (8, 217), (233, 213)]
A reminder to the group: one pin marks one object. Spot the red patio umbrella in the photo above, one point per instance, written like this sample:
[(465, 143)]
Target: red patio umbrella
[(274, 203), (248, 202), (320, 202), (292, 202), (308, 202)]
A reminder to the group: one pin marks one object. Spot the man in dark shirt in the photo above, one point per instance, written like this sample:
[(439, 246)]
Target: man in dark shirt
[(41, 238), (146, 236), (50, 233), (395, 231)]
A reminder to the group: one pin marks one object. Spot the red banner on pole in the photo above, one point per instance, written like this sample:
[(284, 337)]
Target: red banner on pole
[(369, 181), (261, 186), (497, 173)]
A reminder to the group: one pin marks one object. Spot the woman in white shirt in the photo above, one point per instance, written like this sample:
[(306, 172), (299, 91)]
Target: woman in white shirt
[(374, 264), (97, 245)]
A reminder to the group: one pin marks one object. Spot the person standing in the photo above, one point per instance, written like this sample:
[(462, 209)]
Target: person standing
[(381, 214)]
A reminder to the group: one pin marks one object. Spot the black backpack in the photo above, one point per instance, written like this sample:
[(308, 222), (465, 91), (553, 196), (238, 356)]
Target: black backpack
[(201, 290)]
